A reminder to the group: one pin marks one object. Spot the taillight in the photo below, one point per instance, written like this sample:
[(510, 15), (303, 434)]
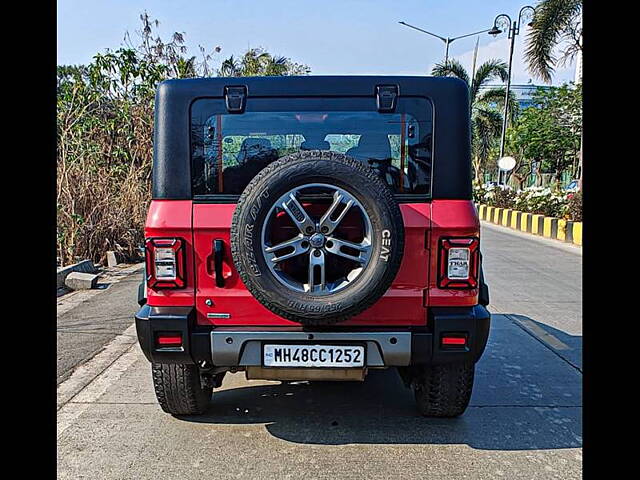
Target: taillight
[(458, 265), (165, 263)]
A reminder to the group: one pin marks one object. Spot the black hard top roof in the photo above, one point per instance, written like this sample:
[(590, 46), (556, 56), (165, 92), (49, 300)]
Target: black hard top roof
[(449, 96)]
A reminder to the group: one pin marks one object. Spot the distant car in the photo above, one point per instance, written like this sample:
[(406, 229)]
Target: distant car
[(491, 184)]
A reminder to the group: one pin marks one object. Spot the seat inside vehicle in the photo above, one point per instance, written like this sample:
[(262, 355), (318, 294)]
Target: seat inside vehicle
[(255, 153), (374, 150)]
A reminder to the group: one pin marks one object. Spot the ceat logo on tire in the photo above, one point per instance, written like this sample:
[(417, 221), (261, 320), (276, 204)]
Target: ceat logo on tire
[(386, 245)]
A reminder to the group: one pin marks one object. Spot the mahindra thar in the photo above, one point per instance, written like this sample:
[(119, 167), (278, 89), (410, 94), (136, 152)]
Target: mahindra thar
[(312, 228)]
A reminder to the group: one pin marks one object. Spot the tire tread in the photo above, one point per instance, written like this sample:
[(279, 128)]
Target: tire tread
[(444, 390), (178, 389)]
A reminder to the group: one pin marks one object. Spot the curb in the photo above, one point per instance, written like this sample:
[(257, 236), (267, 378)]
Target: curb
[(549, 227), (85, 266)]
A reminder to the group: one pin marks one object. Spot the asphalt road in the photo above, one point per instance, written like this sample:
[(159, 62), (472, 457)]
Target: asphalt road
[(524, 420), (87, 321)]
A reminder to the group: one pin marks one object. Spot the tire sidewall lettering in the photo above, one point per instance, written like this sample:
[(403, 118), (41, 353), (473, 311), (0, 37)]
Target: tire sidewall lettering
[(385, 242)]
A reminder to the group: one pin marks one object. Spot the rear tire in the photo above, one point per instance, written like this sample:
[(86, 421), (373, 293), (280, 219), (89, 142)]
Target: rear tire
[(443, 390), (178, 389)]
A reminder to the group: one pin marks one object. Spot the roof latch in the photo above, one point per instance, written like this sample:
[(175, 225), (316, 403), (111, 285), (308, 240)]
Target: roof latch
[(236, 98), (386, 96)]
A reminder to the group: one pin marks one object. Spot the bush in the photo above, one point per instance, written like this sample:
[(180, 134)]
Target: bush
[(543, 201), (104, 155), (551, 202), (574, 208), (479, 193), (504, 198)]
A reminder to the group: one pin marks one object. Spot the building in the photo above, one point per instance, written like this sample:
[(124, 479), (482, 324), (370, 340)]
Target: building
[(578, 75), (523, 92)]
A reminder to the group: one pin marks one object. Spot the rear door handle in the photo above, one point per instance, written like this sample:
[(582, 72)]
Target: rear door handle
[(218, 256)]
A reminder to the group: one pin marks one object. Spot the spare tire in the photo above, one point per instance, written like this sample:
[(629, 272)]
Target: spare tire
[(317, 237)]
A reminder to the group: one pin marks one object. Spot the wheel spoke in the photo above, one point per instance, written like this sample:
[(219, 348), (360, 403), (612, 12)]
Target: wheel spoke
[(316, 240), (327, 226), (316, 269), (271, 253), (337, 247), (298, 214)]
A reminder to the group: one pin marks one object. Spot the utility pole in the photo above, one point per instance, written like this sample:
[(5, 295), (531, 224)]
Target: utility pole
[(513, 29)]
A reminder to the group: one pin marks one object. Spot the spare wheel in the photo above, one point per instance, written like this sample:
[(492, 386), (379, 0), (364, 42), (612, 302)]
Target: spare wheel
[(317, 237)]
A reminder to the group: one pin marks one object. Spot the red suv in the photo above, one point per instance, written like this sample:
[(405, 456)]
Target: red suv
[(312, 228)]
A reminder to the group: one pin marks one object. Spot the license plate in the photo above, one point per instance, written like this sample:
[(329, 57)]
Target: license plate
[(313, 356)]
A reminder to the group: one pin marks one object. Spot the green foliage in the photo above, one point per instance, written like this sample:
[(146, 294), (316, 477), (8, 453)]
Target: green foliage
[(480, 192), (551, 202), (555, 22), (574, 208), (549, 132), (105, 131), (486, 119), (544, 201), (504, 198), (258, 62)]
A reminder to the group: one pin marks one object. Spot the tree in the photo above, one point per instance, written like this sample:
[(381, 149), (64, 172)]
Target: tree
[(548, 132), (105, 130), (486, 120), (258, 62), (555, 21)]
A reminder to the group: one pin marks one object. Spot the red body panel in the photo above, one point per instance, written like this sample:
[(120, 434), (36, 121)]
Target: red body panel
[(450, 218), (172, 218), (212, 221), (405, 303)]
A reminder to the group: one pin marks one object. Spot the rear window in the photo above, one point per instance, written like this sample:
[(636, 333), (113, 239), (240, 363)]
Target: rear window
[(228, 150)]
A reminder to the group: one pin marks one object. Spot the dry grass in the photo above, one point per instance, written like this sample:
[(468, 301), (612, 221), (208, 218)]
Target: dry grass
[(103, 194)]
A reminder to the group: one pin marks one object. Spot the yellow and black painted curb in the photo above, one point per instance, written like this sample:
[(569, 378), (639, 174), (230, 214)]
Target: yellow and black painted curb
[(550, 227)]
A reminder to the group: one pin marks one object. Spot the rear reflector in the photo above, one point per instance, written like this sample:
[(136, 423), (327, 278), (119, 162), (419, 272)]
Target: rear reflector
[(172, 340), (454, 340)]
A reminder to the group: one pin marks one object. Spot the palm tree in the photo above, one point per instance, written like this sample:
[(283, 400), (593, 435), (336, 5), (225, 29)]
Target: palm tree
[(185, 67), (255, 62), (230, 68), (555, 21), (486, 120)]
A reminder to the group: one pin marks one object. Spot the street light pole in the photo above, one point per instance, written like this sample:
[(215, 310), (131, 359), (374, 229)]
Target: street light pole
[(447, 40), (513, 29)]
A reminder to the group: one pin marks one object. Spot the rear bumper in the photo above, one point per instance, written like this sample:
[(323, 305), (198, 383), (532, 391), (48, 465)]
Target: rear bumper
[(242, 346)]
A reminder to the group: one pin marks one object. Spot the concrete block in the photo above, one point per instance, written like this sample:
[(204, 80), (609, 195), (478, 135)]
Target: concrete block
[(114, 258), (85, 266), (515, 219), (577, 233), (81, 281)]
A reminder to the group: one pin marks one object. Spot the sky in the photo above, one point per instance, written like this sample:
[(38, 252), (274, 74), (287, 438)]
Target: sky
[(332, 37)]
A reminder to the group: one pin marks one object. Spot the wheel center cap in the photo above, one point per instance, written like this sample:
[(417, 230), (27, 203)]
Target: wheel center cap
[(317, 240)]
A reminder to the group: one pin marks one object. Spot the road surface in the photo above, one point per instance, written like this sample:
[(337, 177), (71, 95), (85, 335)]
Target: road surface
[(524, 420)]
